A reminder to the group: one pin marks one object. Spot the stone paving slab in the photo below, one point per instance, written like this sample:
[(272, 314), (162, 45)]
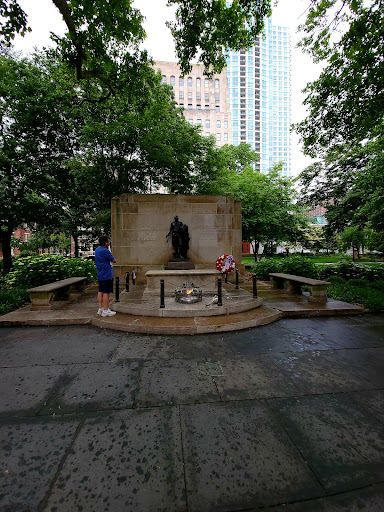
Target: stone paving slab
[(253, 377), (344, 447), (142, 346), (31, 453), (25, 390), (286, 336), (65, 345), (320, 372), (238, 457), (128, 461), (174, 382), (372, 401), (369, 499), (94, 387), (366, 362)]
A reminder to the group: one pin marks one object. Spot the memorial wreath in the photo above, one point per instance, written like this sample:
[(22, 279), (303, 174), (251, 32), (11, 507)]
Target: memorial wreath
[(225, 263)]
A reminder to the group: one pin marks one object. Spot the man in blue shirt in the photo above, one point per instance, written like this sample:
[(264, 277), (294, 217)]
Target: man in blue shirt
[(104, 259)]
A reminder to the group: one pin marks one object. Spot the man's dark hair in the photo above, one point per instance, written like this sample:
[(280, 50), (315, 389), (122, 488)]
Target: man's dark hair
[(103, 239)]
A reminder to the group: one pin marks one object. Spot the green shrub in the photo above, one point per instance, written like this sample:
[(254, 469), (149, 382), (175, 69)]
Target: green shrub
[(365, 295), (12, 298), (263, 267), (38, 270), (346, 270), (357, 282), (299, 266), (377, 285), (335, 280)]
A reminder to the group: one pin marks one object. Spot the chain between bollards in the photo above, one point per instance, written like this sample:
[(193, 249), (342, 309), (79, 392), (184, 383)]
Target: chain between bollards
[(254, 287), (162, 303), (219, 293), (117, 289)]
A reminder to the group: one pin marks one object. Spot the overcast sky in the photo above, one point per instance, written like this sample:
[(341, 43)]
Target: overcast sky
[(44, 17)]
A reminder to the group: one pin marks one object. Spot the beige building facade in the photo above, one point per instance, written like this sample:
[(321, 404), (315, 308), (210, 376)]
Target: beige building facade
[(205, 101)]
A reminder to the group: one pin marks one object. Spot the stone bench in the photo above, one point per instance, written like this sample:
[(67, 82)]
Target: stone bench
[(291, 283), (41, 296)]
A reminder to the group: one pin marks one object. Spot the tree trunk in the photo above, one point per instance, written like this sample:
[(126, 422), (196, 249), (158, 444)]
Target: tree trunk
[(76, 240), (5, 238)]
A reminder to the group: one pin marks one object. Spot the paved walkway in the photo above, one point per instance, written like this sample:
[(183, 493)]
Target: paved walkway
[(285, 417)]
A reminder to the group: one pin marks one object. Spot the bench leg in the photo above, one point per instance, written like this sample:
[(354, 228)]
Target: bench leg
[(41, 301), (293, 288), (277, 283), (318, 293), (77, 288), (62, 293)]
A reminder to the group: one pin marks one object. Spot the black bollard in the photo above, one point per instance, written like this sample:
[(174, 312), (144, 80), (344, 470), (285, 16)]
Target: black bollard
[(219, 293), (117, 290), (162, 303), (237, 280), (226, 277), (254, 287), (127, 281)]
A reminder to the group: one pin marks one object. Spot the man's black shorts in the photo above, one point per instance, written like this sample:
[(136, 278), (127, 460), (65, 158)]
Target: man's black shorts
[(106, 286)]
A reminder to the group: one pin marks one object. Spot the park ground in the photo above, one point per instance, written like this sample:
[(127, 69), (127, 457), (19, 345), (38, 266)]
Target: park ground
[(285, 417)]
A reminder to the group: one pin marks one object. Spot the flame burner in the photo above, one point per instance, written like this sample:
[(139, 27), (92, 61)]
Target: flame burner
[(188, 293)]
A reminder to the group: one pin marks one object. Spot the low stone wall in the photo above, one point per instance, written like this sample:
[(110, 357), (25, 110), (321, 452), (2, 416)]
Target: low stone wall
[(140, 223)]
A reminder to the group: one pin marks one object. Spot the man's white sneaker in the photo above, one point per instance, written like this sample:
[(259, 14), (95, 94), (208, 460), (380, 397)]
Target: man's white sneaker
[(108, 312), (100, 311)]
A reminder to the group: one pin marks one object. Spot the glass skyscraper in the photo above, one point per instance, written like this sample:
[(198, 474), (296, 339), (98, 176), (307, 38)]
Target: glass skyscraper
[(259, 83)]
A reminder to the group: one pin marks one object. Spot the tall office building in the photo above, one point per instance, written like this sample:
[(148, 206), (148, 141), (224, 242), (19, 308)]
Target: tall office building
[(259, 83), (205, 101)]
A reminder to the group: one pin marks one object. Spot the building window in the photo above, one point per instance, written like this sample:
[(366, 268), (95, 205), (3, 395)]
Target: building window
[(198, 81), (172, 80), (206, 83), (217, 97), (218, 123), (217, 108), (181, 82), (198, 122), (163, 79), (181, 95), (218, 136), (225, 136), (225, 124), (207, 134), (190, 106), (198, 96), (198, 107), (207, 96), (207, 123), (189, 81), (181, 105), (206, 107), (190, 95), (190, 121), (217, 84)]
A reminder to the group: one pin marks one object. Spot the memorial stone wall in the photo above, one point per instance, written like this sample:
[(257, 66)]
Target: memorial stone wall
[(140, 223)]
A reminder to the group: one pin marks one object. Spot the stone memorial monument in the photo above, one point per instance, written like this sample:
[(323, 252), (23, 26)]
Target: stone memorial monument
[(142, 224)]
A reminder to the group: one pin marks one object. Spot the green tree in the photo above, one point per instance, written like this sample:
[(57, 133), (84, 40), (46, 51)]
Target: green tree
[(206, 29), (101, 34), (353, 238), (344, 128), (36, 137)]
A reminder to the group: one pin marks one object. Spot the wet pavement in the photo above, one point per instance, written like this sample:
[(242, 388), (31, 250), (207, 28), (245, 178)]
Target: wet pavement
[(284, 417)]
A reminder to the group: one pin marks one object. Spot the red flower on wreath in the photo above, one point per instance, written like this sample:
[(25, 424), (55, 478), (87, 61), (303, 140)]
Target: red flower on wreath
[(225, 263)]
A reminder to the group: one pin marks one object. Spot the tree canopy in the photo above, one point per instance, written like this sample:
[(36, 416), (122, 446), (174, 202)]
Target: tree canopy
[(345, 125)]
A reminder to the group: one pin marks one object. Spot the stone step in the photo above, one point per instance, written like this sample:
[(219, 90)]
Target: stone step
[(192, 325)]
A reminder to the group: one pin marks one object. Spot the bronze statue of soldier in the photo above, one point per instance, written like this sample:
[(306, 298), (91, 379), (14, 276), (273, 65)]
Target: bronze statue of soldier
[(180, 238)]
